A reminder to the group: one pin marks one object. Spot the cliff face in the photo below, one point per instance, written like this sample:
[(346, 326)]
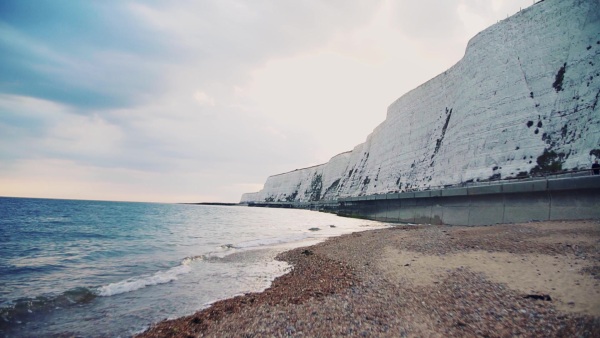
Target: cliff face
[(524, 99)]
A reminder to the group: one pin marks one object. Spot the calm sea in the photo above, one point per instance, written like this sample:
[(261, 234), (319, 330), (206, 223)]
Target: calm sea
[(95, 268)]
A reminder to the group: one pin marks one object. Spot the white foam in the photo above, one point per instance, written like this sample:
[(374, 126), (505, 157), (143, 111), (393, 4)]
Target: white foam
[(272, 241), (284, 242), (188, 260), (132, 284)]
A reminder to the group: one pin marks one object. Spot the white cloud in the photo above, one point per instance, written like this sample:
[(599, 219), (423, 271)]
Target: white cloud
[(83, 135), (203, 99)]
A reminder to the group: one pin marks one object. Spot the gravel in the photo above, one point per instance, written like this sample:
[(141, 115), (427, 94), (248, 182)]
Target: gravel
[(339, 288)]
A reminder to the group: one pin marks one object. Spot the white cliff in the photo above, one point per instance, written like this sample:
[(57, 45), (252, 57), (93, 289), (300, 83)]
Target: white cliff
[(523, 99)]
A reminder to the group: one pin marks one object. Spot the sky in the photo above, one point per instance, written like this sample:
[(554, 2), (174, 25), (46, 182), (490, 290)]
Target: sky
[(201, 101)]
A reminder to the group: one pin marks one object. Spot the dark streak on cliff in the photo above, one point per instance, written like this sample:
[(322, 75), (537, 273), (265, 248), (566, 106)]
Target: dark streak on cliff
[(441, 139)]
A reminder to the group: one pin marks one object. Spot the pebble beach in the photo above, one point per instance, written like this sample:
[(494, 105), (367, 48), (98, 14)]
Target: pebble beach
[(538, 279)]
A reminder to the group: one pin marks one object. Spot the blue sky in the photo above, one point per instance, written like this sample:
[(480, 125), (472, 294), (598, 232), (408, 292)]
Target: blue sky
[(195, 101)]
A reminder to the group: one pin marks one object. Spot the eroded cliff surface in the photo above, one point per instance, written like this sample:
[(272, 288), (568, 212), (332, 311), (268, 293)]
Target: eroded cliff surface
[(523, 100)]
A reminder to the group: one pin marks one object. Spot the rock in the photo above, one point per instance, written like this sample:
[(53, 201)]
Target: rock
[(314, 229), (460, 324)]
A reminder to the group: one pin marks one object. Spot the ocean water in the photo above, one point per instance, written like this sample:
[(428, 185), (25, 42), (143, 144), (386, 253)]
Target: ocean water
[(97, 268)]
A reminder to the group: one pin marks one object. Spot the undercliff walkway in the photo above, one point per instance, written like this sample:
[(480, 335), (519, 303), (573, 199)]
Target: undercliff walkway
[(562, 196)]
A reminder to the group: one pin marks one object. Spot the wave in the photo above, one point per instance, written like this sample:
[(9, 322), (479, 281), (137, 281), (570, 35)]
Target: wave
[(24, 269), (21, 310), (25, 309), (160, 277), (273, 241), (136, 283)]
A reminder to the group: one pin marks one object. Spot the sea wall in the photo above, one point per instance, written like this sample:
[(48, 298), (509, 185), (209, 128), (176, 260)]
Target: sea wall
[(571, 196), (497, 203), (523, 100)]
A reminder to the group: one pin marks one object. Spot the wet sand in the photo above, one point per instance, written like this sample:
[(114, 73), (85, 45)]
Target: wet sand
[(538, 279)]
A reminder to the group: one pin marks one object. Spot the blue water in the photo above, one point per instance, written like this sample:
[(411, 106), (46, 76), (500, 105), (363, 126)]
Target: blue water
[(96, 268)]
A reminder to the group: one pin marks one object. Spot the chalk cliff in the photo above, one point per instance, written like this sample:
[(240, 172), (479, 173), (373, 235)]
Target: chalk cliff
[(522, 100)]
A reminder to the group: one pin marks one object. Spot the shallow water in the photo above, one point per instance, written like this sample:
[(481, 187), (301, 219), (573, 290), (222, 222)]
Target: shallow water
[(95, 268)]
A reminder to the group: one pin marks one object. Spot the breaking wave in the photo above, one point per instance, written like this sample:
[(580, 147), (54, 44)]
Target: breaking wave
[(136, 283), (21, 310), (263, 242)]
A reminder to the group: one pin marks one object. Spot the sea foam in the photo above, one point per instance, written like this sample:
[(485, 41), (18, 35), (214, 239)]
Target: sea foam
[(136, 283)]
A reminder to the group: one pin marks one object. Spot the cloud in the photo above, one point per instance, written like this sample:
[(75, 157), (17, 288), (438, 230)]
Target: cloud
[(427, 19), (84, 54), (203, 99)]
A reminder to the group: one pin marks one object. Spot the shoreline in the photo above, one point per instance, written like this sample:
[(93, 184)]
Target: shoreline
[(528, 279)]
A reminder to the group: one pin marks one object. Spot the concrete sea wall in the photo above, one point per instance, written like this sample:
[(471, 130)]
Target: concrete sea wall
[(566, 198)]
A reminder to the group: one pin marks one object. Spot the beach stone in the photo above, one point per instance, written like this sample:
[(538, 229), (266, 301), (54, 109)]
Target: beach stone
[(539, 297), (307, 252)]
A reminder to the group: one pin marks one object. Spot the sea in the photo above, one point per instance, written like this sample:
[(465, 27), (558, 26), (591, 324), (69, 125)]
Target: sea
[(111, 269)]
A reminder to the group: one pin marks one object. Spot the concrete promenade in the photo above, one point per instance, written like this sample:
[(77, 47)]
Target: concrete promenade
[(566, 198)]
